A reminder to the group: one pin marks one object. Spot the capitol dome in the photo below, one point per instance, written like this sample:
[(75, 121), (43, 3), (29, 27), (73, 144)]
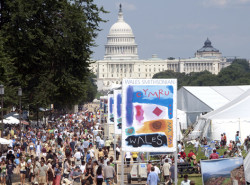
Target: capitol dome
[(120, 41)]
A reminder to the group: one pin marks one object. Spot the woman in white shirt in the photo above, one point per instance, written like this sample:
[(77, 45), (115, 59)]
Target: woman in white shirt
[(22, 167), (128, 158)]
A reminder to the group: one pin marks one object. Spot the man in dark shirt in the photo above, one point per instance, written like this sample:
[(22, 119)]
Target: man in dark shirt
[(25, 145), (49, 155), (76, 176), (72, 145), (9, 167), (10, 156)]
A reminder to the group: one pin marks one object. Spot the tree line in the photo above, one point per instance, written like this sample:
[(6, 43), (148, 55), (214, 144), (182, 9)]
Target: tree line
[(45, 46), (238, 73)]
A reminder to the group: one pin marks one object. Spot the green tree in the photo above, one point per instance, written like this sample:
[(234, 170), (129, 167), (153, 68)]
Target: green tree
[(50, 45), (238, 73), (7, 77)]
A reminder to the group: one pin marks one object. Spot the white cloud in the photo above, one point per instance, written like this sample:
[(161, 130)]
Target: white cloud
[(193, 26), (127, 6), (224, 3)]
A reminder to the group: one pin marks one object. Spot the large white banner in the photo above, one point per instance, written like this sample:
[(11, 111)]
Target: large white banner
[(149, 115), (110, 108), (118, 111)]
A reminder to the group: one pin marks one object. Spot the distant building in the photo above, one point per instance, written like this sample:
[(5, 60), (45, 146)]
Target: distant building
[(208, 51), (121, 59)]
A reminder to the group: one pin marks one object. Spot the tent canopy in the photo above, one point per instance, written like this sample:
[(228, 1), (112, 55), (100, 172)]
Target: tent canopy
[(236, 109), (5, 141), (195, 100), (228, 119), (11, 120)]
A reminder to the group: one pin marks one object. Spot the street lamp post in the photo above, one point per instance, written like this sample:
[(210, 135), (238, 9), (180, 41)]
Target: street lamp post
[(2, 93), (20, 93)]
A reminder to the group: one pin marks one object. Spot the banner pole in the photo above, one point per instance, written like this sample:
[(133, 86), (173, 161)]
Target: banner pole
[(175, 154), (122, 169), (115, 146), (175, 169)]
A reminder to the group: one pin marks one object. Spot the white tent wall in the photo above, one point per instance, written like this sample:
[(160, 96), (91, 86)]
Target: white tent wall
[(214, 129), (247, 167), (190, 104), (179, 134), (182, 119), (195, 100)]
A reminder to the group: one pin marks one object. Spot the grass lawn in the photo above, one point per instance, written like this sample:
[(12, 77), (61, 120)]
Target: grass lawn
[(194, 177), (197, 178)]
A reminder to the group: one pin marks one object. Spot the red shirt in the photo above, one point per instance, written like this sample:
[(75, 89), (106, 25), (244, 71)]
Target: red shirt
[(183, 155), (190, 154), (214, 156)]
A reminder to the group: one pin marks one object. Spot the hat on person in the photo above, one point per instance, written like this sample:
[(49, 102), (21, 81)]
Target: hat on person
[(182, 150)]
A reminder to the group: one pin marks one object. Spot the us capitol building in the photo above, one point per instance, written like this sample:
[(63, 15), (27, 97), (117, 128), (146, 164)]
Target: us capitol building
[(121, 59)]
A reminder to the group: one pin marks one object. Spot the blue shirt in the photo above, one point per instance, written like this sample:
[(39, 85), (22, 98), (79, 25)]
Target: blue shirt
[(33, 140), (153, 178), (88, 158)]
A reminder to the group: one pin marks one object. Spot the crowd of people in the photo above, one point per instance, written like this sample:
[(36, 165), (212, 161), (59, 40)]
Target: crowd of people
[(74, 150), (70, 150)]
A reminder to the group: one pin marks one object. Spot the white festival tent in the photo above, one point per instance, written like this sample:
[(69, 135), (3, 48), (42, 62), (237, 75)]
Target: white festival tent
[(247, 167), (11, 120), (232, 117), (5, 141), (197, 100)]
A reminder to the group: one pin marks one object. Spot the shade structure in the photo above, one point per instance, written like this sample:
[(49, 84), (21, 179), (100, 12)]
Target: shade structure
[(197, 100), (4, 141), (11, 120), (247, 167), (228, 119), (25, 122)]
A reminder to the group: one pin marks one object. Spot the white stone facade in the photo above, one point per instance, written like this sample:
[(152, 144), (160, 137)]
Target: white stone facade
[(121, 59)]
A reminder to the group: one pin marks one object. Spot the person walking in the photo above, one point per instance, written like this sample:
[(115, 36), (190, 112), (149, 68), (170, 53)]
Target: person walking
[(153, 178), (165, 170), (99, 176), (128, 158), (109, 173), (57, 175), (38, 149), (186, 181), (22, 167), (10, 167), (135, 156), (3, 172), (50, 174), (118, 151), (42, 170), (76, 176)]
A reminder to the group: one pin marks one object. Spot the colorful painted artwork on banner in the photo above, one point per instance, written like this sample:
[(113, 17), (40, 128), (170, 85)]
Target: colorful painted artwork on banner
[(223, 171), (111, 108), (118, 111), (149, 115)]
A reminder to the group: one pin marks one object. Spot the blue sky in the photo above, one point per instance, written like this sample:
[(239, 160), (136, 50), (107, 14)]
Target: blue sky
[(177, 28)]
